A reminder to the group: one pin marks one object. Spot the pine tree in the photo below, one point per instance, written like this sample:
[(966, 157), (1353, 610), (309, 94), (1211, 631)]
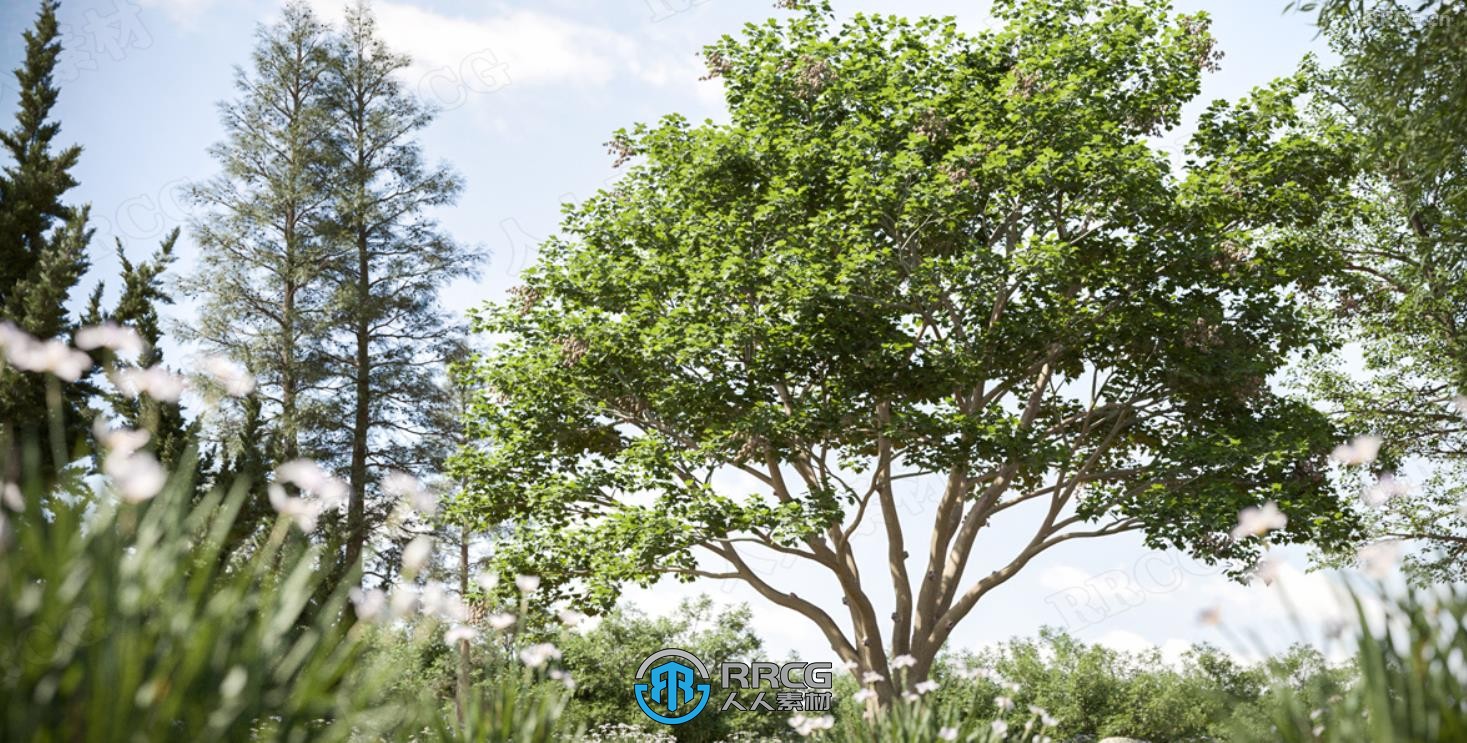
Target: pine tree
[(143, 292), (260, 285), (390, 338), (43, 244)]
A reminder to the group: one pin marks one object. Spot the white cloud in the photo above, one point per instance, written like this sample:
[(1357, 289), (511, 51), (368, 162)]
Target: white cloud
[(535, 48)]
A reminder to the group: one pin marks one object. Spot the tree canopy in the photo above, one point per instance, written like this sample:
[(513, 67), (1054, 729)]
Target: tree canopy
[(912, 253)]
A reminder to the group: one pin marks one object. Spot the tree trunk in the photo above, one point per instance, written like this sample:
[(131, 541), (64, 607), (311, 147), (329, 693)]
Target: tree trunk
[(461, 698), (357, 506)]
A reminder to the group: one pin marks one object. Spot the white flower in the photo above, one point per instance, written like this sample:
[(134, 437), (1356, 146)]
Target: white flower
[(806, 726), (486, 581), (903, 661), (1045, 718), (123, 341), (563, 678), (864, 695), (369, 604), (571, 617), (925, 687), (1254, 521), (872, 677), (406, 487), (138, 476), (1004, 704), (1362, 450), (235, 379), (415, 555), (54, 357), (10, 495), (909, 697), (300, 510), (1267, 569), (501, 622), (311, 478), (1386, 487), (234, 682), (1000, 728), (1379, 559), (947, 733), (458, 633), (527, 583), (404, 601), (155, 382), (438, 602), (536, 656)]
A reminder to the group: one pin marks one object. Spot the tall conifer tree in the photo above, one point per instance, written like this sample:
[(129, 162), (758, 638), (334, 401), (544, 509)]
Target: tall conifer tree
[(263, 298), (43, 242), (390, 338)]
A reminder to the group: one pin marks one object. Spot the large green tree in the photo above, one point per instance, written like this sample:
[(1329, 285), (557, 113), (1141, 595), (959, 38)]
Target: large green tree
[(43, 250), (914, 254), (390, 338), (1400, 90), (261, 287)]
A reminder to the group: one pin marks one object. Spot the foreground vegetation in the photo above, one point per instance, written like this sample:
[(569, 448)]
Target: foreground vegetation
[(124, 623)]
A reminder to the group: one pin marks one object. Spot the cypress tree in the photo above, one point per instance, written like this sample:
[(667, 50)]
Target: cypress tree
[(43, 243)]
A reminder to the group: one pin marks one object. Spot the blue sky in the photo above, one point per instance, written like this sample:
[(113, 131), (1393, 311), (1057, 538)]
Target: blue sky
[(530, 92)]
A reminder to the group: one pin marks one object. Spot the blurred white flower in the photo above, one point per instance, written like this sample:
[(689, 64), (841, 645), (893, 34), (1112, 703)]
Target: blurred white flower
[(903, 661), (1378, 560), (1045, 718), (925, 687), (807, 726), (415, 555), (872, 677), (233, 378), (1000, 728), (403, 486), (300, 510), (458, 633), (370, 604), (311, 478), (538, 655), (501, 622), (1267, 569), (123, 341), (1362, 450), (527, 583), (403, 602), (134, 474), (947, 733), (910, 697), (1254, 521), (1004, 704), (1386, 487), (54, 357), (571, 617), (234, 682), (156, 382), (486, 581), (10, 495), (138, 476), (864, 695), (851, 665), (564, 678)]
